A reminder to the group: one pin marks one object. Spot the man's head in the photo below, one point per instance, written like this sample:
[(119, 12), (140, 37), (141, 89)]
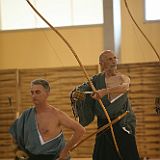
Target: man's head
[(108, 60), (40, 90), (44, 83)]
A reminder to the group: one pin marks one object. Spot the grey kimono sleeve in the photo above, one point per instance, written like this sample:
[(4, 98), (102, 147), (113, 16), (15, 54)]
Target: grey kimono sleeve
[(85, 107), (17, 132)]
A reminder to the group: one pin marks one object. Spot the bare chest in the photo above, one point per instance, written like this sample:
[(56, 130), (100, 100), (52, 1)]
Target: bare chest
[(114, 81), (46, 124)]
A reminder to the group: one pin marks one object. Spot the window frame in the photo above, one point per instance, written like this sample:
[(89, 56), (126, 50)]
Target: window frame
[(144, 12), (37, 25)]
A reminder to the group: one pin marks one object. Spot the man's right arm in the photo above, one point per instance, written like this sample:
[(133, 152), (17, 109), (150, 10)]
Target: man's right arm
[(18, 152), (14, 130)]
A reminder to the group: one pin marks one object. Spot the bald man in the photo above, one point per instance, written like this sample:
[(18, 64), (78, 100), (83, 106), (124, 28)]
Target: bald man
[(112, 88)]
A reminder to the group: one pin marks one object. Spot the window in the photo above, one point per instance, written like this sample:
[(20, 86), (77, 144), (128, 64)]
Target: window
[(18, 14), (152, 11)]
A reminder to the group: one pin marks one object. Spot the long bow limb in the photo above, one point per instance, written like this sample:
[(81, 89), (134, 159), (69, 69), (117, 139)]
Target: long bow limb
[(101, 129), (144, 35), (84, 71)]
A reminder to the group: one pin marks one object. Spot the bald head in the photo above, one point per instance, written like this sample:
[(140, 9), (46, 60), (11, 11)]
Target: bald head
[(107, 60), (103, 55)]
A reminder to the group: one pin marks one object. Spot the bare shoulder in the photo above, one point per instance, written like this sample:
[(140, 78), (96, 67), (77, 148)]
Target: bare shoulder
[(59, 113), (66, 121), (55, 110), (125, 78)]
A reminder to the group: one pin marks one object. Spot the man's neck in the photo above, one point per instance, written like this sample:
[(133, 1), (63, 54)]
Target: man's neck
[(109, 73), (42, 107)]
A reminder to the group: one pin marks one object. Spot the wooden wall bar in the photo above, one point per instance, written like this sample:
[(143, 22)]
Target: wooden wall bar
[(8, 90), (145, 86)]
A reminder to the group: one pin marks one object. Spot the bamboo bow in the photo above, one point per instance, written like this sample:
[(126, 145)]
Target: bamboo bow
[(84, 71), (101, 129)]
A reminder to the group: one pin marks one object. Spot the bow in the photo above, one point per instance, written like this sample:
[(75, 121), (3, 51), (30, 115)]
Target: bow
[(101, 129), (84, 71), (157, 108), (144, 35)]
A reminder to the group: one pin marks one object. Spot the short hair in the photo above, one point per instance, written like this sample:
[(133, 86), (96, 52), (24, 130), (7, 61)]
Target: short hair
[(41, 82), (102, 55)]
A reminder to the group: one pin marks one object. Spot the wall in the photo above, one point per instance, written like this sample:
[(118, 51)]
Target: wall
[(134, 47), (42, 48), (144, 88)]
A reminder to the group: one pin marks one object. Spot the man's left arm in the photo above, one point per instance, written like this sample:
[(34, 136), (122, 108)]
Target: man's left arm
[(121, 87), (78, 132), (117, 85)]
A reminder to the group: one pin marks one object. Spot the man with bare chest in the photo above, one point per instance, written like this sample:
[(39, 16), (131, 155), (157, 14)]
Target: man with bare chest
[(38, 134), (112, 88)]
